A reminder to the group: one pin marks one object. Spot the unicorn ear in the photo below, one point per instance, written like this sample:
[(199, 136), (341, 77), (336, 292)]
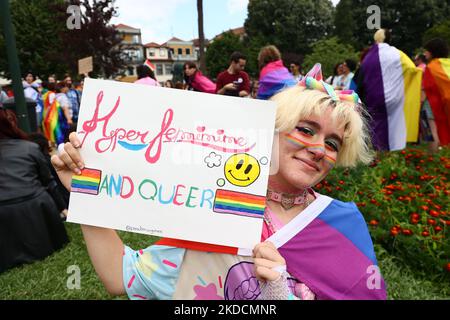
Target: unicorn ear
[(315, 72)]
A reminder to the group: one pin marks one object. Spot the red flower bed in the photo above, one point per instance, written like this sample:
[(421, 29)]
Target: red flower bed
[(404, 197)]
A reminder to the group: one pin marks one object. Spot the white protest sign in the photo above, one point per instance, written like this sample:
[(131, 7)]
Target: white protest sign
[(173, 163)]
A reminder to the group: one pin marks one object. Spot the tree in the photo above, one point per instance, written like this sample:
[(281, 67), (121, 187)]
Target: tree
[(219, 52), (47, 46), (344, 24), (329, 52), (440, 31), (96, 38), (201, 36), (291, 25), (408, 21), (36, 25)]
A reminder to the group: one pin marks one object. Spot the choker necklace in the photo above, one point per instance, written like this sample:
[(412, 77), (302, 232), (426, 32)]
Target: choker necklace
[(287, 200)]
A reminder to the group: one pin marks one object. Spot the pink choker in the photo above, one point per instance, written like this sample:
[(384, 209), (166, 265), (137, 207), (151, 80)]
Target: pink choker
[(287, 200)]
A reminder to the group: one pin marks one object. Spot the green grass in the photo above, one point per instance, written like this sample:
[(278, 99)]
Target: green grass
[(47, 279)]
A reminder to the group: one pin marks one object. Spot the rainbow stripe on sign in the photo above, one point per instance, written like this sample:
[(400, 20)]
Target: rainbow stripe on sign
[(87, 182), (238, 203)]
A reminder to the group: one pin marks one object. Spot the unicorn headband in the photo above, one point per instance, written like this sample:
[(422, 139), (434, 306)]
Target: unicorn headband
[(313, 80)]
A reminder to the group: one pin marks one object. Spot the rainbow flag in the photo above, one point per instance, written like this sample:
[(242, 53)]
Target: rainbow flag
[(54, 123), (273, 78), (436, 83), (389, 84), (87, 182), (239, 203)]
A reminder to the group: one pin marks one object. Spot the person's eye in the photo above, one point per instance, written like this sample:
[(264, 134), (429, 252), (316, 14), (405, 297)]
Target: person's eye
[(332, 145), (306, 131)]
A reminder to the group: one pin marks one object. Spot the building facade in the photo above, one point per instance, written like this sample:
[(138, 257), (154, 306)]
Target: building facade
[(132, 50), (161, 56), (165, 56)]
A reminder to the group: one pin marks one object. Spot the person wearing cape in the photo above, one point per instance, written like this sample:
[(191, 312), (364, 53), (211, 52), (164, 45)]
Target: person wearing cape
[(436, 84), (312, 246), (389, 84), (274, 76)]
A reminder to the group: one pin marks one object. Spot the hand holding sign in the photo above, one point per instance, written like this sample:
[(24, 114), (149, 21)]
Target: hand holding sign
[(169, 163), (69, 161)]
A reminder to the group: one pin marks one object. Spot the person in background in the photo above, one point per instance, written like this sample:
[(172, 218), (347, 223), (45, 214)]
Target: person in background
[(273, 76), (63, 100), (146, 76), (344, 81), (388, 83), (168, 84), (296, 68), (30, 88), (55, 188), (436, 83), (420, 61), (52, 79), (427, 126), (195, 80), (74, 97), (254, 89), (30, 225), (337, 72), (234, 81), (179, 85), (3, 96)]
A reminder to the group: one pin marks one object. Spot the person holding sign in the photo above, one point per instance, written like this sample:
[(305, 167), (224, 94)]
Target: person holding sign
[(313, 246)]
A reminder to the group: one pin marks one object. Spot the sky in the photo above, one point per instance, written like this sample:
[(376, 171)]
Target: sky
[(160, 20)]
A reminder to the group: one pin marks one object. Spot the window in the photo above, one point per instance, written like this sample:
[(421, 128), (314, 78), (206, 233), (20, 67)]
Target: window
[(139, 54), (168, 68), (188, 52), (151, 53), (180, 51), (136, 39), (159, 69), (162, 52), (130, 71)]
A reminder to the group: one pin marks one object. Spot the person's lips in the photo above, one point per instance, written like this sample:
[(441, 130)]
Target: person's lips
[(309, 163)]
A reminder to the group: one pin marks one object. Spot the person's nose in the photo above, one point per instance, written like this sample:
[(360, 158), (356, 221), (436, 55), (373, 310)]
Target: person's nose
[(318, 151)]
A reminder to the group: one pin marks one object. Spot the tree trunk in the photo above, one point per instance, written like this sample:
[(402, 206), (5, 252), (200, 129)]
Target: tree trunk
[(201, 36)]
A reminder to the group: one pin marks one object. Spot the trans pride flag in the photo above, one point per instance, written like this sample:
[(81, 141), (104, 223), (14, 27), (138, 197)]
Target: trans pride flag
[(436, 83), (54, 123), (389, 84), (273, 78)]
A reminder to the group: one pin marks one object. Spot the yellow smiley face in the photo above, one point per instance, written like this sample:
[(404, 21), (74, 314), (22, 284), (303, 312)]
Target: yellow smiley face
[(242, 169)]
